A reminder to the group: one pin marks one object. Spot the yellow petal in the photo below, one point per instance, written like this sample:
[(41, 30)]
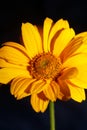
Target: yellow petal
[(49, 93), (62, 40), (77, 94), (52, 91), (76, 60), (46, 30), (23, 95), (80, 79), (20, 86), (31, 39), (38, 39), (5, 64), (60, 24), (7, 74), (17, 46), (14, 55), (38, 104)]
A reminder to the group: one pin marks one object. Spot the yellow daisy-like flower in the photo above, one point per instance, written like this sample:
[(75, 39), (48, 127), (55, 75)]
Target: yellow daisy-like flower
[(51, 64)]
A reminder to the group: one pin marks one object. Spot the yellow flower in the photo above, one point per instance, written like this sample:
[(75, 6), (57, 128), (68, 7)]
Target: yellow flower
[(50, 64)]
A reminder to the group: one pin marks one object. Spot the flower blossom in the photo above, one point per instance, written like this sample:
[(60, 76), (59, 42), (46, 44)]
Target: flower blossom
[(49, 64)]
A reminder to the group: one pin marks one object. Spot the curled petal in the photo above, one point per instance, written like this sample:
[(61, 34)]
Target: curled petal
[(68, 73), (64, 90), (80, 80)]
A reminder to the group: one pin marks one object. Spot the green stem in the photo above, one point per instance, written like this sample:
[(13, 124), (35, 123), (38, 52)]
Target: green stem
[(52, 116)]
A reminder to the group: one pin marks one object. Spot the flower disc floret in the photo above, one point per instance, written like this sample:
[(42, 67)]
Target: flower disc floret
[(45, 66)]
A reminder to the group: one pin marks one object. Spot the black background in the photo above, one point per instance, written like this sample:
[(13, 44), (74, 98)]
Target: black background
[(18, 115)]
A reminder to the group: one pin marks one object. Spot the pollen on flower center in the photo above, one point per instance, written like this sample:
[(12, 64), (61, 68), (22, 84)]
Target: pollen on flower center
[(45, 66)]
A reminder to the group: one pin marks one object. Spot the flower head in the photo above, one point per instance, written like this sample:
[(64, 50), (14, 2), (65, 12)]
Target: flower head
[(50, 64)]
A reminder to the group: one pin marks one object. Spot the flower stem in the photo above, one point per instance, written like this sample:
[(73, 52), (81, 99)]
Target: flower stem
[(52, 116)]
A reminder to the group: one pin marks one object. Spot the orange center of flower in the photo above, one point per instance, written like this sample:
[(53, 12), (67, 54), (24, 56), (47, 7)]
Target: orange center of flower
[(45, 66)]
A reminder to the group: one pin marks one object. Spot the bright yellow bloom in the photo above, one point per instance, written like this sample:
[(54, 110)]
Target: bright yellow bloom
[(51, 64)]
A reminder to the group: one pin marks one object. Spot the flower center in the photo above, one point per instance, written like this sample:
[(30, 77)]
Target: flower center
[(45, 66)]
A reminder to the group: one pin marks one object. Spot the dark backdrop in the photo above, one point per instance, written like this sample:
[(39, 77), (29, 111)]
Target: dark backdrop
[(18, 115)]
